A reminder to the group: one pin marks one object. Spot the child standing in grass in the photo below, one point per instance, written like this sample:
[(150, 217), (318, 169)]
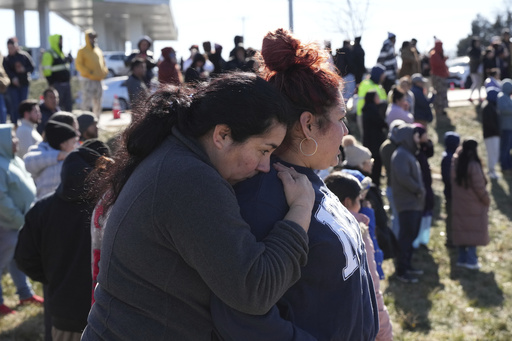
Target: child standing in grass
[(451, 143), (470, 204), (348, 189)]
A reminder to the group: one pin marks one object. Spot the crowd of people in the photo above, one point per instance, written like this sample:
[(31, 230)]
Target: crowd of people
[(255, 216)]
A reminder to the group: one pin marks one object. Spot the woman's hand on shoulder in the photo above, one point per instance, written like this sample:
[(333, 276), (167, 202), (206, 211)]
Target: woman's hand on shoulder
[(299, 193)]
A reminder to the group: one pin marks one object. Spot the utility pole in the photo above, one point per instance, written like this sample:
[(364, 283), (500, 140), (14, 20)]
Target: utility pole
[(290, 10)]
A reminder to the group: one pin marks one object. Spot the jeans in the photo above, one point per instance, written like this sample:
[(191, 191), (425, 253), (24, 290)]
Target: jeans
[(395, 225), (65, 97), (505, 147), (409, 226), (492, 144), (349, 86), (17, 95), (8, 240), (3, 109), (467, 255)]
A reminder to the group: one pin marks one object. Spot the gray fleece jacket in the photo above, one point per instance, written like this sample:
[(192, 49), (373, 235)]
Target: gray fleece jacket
[(504, 105), (174, 236), (406, 180)]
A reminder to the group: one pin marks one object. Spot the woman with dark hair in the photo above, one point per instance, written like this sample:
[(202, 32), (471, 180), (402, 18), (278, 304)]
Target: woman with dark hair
[(195, 72), (376, 128), (470, 204), (398, 109), (174, 235), (334, 298)]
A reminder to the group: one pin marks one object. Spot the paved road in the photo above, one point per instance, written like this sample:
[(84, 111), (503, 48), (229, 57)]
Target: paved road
[(459, 97)]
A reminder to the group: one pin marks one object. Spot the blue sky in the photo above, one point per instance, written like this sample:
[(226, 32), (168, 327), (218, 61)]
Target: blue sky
[(219, 21)]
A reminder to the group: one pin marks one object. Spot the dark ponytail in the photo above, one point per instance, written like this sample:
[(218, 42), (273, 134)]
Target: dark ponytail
[(247, 104), (468, 153)]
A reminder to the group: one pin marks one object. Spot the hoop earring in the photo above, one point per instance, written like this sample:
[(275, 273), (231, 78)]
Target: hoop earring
[(305, 139)]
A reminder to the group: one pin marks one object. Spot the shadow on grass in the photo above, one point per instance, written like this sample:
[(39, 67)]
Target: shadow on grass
[(501, 197), (442, 125), (30, 329), (412, 300), (480, 287)]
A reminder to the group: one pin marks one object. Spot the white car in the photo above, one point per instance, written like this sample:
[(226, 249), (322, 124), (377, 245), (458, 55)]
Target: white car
[(115, 63), (111, 87), (459, 72)]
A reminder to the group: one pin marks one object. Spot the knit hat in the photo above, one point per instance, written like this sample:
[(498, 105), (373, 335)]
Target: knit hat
[(365, 181), (85, 119), (355, 153), (57, 132)]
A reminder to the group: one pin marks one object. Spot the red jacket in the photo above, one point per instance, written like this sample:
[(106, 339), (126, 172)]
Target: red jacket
[(438, 61)]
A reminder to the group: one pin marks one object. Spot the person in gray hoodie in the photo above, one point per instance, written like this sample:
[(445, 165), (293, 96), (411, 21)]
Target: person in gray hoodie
[(17, 192), (505, 113), (409, 198), (387, 148)]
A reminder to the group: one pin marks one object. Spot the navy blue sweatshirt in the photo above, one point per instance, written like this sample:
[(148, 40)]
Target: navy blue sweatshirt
[(334, 298)]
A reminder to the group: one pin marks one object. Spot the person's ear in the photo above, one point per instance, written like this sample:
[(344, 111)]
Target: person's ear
[(347, 202), (416, 138), (221, 136), (306, 120)]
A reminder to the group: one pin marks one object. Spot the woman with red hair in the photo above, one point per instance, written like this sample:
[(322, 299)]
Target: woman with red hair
[(334, 299)]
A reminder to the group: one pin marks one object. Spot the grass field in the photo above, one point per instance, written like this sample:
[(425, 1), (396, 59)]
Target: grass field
[(448, 303)]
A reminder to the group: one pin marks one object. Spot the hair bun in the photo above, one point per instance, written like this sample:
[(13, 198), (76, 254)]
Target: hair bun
[(280, 51)]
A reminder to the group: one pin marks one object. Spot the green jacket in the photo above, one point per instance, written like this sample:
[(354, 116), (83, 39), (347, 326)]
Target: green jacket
[(54, 62)]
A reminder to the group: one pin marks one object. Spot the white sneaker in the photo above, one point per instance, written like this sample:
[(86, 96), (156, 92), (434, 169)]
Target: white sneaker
[(476, 266), (493, 175)]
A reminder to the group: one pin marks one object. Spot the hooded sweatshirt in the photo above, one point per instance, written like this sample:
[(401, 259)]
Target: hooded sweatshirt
[(90, 61), (371, 84), (17, 189), (505, 105), (438, 61), (54, 245), (406, 179), (388, 147), (168, 69), (54, 63)]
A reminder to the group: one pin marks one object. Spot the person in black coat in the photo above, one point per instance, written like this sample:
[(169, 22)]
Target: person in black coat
[(54, 245), (375, 128)]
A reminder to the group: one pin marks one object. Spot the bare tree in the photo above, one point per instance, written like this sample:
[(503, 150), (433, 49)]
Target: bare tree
[(350, 16)]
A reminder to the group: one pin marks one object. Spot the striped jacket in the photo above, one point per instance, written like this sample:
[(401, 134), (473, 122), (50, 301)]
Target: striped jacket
[(387, 57)]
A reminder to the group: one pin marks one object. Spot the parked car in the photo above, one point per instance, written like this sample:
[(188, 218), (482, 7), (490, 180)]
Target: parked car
[(111, 87), (459, 72), (115, 63)]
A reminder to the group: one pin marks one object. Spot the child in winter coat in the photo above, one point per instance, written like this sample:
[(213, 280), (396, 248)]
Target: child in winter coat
[(348, 190), (451, 143), (17, 192), (425, 152), (470, 204)]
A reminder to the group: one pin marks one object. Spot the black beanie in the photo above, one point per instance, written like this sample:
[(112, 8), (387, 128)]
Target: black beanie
[(98, 146), (85, 119), (57, 132)]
